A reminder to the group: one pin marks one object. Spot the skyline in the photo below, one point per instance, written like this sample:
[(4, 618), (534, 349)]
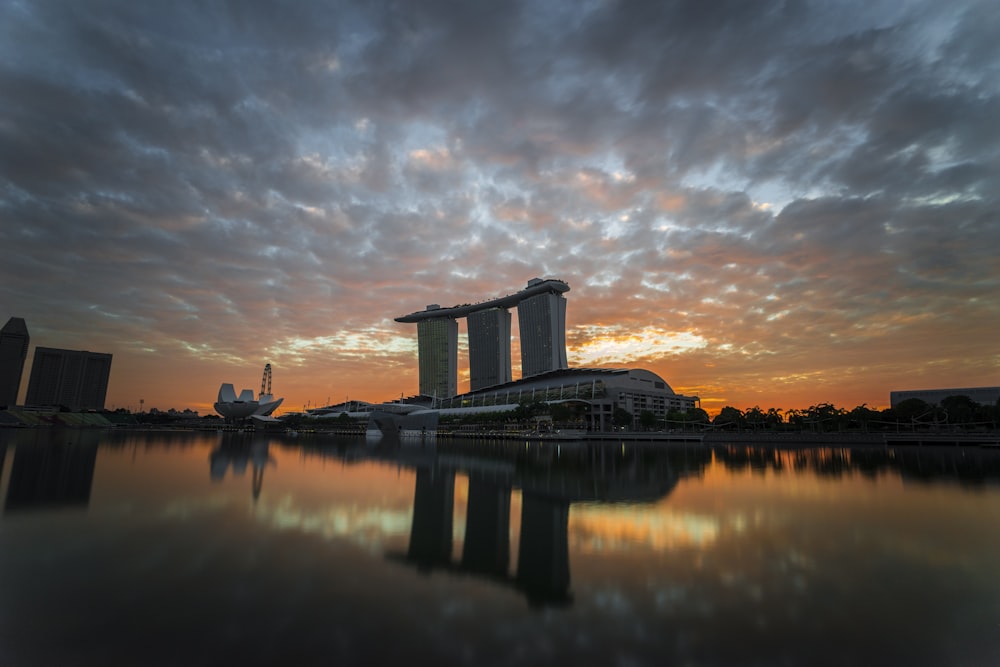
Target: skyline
[(774, 204)]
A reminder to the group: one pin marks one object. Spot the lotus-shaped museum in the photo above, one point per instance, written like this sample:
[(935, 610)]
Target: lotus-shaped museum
[(245, 405)]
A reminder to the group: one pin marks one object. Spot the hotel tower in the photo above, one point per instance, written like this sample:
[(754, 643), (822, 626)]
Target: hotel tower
[(541, 312)]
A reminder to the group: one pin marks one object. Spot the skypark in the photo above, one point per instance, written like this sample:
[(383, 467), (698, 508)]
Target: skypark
[(535, 287)]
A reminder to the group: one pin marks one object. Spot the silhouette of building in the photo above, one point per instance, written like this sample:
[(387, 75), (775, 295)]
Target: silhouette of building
[(14, 341), (541, 310), (74, 379)]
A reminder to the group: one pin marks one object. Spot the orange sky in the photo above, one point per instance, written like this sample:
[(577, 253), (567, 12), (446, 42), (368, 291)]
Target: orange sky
[(763, 206), (792, 378)]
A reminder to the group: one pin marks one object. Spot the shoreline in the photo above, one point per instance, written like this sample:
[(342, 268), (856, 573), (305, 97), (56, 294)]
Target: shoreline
[(708, 438)]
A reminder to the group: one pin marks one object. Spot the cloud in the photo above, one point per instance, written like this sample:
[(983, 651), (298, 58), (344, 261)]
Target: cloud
[(801, 189)]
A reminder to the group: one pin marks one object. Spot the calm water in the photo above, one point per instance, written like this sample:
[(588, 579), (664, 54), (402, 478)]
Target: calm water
[(199, 549)]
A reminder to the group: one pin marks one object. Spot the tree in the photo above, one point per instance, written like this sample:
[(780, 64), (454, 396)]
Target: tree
[(647, 420), (729, 416), (561, 413), (907, 411), (697, 416), (621, 417), (862, 415), (960, 409), (825, 417), (755, 417)]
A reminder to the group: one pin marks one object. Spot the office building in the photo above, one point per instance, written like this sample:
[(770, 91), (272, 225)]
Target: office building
[(73, 379), (437, 351), (14, 341), (489, 347), (542, 324)]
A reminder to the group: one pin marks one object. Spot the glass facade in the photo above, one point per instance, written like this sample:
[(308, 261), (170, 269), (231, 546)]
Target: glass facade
[(489, 348), (437, 351), (76, 379), (542, 325)]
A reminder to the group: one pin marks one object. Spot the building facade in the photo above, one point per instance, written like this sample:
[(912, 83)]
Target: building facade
[(14, 341), (74, 379), (489, 347), (437, 352), (980, 395), (543, 337), (542, 324), (600, 391)]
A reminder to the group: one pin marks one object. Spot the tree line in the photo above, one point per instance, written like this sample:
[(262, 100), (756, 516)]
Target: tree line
[(954, 412)]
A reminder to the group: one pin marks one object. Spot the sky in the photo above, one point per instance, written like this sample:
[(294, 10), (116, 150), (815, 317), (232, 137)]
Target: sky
[(773, 203)]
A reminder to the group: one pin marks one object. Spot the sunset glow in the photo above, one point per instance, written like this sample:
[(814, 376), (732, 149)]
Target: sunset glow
[(764, 205)]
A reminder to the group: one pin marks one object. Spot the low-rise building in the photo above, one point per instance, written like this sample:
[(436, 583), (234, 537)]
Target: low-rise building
[(981, 395)]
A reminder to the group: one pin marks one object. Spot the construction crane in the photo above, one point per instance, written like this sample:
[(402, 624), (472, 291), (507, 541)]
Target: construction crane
[(265, 382)]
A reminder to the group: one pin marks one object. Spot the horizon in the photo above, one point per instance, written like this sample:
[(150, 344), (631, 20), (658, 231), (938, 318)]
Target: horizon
[(763, 203)]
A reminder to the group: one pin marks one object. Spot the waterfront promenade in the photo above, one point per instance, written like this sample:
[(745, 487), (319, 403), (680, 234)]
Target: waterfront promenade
[(764, 438)]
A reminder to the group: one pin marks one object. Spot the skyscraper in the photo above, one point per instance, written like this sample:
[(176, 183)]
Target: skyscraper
[(75, 379), (542, 324), (489, 347), (542, 314), (437, 352), (14, 341)]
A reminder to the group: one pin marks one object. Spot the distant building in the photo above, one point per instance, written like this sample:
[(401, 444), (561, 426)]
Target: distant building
[(14, 341), (981, 395), (75, 379)]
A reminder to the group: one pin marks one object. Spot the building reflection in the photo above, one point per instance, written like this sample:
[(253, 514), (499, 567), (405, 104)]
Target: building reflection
[(548, 486), (234, 452), (57, 474)]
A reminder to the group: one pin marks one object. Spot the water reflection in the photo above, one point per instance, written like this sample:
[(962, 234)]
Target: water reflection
[(234, 451), (550, 479), (697, 555), (56, 473), (970, 466)]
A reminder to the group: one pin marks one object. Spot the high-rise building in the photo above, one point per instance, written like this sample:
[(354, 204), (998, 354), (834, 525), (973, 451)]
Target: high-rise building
[(75, 379), (489, 347), (437, 351), (14, 341), (542, 324), (542, 314)]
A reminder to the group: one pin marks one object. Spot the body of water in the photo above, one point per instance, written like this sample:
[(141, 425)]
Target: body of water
[(208, 549)]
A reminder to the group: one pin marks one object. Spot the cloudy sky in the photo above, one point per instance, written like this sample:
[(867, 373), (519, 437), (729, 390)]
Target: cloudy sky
[(776, 203)]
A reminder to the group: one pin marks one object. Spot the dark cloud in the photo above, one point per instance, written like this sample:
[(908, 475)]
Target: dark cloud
[(219, 182)]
